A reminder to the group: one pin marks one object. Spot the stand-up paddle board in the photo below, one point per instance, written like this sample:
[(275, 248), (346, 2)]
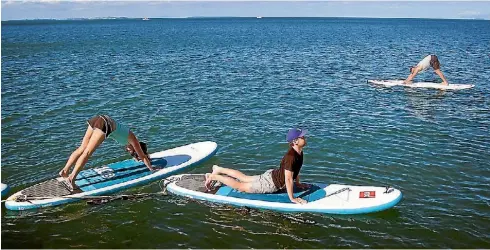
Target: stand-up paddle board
[(112, 177), (5, 189), (429, 85), (321, 198)]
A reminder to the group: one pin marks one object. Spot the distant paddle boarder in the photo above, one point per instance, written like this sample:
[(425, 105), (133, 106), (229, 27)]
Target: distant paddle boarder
[(426, 63), (273, 179), (99, 128)]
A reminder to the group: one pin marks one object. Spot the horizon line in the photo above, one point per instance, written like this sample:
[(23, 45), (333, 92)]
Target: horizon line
[(255, 17)]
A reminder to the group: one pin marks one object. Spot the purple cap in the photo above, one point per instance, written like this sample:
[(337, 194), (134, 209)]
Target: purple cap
[(295, 133)]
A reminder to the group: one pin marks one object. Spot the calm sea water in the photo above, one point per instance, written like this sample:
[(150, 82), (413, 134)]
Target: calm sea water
[(243, 82)]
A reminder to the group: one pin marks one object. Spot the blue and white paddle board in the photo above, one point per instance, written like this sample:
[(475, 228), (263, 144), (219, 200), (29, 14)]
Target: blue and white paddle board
[(5, 189), (112, 177), (321, 198)]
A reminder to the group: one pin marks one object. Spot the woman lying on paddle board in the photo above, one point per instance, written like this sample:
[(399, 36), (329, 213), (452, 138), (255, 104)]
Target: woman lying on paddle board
[(272, 180), (99, 128)]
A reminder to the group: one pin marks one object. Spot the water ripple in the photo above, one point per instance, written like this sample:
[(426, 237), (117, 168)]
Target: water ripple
[(244, 83)]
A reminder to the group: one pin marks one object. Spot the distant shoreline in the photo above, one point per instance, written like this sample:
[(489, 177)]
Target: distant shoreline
[(236, 17)]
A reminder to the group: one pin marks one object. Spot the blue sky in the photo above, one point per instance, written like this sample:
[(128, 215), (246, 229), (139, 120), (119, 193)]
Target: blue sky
[(62, 9)]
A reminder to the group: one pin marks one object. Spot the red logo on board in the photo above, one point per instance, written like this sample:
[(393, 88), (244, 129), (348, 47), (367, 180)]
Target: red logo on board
[(367, 194)]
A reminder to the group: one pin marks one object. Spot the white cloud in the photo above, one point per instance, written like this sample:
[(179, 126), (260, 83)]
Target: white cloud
[(470, 13), (49, 1), (8, 2), (395, 6), (473, 14), (29, 1)]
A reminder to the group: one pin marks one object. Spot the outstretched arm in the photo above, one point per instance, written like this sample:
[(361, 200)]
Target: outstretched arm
[(439, 73), (288, 175)]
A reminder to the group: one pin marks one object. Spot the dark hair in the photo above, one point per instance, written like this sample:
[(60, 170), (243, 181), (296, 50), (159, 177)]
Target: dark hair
[(143, 146)]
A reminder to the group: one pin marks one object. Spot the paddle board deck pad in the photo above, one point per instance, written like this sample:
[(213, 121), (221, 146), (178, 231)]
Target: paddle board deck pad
[(112, 177), (5, 189), (430, 85), (322, 198)]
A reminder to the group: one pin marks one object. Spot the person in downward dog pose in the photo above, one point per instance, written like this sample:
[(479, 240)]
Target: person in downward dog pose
[(99, 128), (426, 63), (272, 180)]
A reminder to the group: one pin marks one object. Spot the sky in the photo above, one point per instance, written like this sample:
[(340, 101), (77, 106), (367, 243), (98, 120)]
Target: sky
[(64, 9)]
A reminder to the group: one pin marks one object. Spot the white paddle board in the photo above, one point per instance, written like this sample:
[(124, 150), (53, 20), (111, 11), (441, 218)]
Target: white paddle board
[(430, 85), (321, 198)]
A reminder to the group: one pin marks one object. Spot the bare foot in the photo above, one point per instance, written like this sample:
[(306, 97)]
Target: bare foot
[(63, 173), (207, 182), (445, 83), (71, 181)]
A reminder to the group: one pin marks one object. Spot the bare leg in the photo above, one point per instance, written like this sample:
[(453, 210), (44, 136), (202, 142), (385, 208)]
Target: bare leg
[(233, 173), (231, 182), (411, 76), (439, 73), (95, 140), (74, 156)]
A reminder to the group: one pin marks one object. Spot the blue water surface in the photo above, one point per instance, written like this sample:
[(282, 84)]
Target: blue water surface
[(243, 82)]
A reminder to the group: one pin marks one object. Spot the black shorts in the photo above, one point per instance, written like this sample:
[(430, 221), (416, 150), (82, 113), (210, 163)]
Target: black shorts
[(102, 122)]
